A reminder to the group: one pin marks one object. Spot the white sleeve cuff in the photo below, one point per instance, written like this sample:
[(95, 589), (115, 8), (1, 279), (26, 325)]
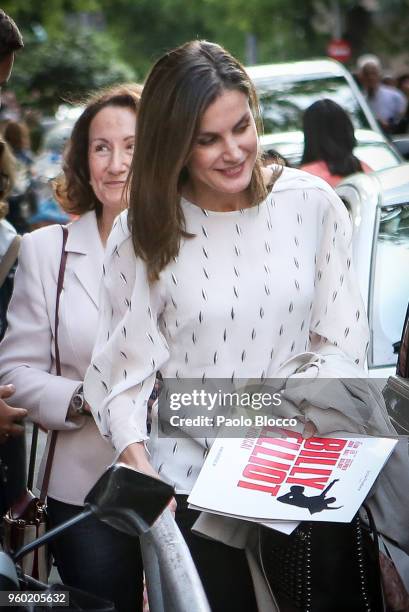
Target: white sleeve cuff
[(55, 401)]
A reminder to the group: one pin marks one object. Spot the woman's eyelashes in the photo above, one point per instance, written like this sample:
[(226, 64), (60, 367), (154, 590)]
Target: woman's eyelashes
[(104, 147), (206, 140), (211, 139), (242, 127), (100, 148)]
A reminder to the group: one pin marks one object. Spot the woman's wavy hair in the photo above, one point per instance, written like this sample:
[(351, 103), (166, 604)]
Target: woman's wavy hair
[(329, 136), (72, 189), (178, 90)]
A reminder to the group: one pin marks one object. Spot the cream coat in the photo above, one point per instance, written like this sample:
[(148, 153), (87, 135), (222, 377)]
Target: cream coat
[(27, 353)]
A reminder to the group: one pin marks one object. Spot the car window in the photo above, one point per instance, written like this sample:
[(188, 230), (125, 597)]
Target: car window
[(283, 101), (390, 283)]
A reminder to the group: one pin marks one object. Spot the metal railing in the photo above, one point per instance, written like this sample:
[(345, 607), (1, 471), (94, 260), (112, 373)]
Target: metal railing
[(172, 581)]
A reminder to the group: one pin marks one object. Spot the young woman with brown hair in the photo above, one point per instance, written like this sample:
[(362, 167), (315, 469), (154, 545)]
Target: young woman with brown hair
[(221, 269)]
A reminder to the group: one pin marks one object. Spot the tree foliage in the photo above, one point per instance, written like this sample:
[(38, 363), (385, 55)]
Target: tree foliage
[(66, 68), (125, 36)]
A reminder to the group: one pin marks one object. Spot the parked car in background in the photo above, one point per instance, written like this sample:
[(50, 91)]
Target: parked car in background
[(286, 90), (379, 206), (396, 392)]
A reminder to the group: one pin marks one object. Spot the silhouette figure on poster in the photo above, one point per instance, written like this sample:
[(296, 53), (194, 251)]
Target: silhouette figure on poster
[(314, 503)]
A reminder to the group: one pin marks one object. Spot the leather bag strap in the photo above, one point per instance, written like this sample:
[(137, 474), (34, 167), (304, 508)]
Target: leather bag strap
[(60, 283)]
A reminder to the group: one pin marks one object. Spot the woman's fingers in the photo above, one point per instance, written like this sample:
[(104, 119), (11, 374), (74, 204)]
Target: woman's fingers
[(16, 430), (6, 391), (8, 417), (309, 430), (172, 506)]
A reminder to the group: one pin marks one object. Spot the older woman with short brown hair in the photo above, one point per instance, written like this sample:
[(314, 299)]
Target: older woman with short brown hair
[(91, 556)]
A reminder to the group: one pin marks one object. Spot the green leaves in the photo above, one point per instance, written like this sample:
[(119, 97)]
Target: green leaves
[(66, 68)]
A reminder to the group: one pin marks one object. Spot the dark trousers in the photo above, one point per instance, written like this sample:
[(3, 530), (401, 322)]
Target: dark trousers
[(96, 558), (224, 570)]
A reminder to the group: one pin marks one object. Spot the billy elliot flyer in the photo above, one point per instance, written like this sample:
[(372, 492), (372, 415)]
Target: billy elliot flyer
[(274, 474)]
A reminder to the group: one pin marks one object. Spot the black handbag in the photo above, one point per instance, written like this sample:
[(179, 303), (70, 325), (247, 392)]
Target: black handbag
[(323, 567), (12, 471)]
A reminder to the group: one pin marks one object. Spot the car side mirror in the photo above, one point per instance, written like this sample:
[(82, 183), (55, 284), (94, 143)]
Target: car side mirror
[(402, 368)]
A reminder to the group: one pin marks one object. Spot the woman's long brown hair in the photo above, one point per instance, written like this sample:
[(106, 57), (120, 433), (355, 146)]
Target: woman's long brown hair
[(178, 90)]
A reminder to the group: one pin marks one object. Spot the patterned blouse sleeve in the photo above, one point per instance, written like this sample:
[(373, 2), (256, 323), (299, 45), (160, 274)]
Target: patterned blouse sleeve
[(338, 333), (129, 348), (338, 321)]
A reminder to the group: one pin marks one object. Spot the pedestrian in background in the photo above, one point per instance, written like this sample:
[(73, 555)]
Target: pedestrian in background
[(329, 142), (387, 103), (10, 42), (22, 199), (90, 556), (403, 86), (17, 134)]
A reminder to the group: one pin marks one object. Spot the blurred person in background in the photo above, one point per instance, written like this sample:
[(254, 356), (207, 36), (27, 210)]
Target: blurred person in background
[(403, 86), (387, 103), (17, 134), (48, 213), (10, 42), (91, 556), (12, 444), (329, 143), (9, 243), (22, 200), (32, 119)]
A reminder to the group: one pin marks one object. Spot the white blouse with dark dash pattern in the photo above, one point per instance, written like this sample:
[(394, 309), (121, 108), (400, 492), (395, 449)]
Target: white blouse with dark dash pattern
[(253, 288)]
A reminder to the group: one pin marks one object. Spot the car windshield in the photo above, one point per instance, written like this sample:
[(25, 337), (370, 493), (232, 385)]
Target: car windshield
[(390, 283), (283, 101)]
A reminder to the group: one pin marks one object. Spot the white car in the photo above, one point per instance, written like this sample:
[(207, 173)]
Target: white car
[(286, 90), (379, 206)]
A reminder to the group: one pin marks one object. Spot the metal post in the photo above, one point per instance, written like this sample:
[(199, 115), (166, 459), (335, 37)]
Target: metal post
[(152, 573), (179, 582), (251, 49), (336, 11)]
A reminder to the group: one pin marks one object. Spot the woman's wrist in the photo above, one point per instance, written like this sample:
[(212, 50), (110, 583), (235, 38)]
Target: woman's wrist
[(135, 456), (78, 406)]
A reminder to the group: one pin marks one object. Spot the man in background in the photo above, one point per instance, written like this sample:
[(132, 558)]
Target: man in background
[(387, 103)]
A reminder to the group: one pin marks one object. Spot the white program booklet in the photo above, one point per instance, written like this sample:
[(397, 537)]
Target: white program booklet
[(271, 474)]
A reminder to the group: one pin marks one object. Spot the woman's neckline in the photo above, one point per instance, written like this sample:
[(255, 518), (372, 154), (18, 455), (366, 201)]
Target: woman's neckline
[(227, 213), (239, 211)]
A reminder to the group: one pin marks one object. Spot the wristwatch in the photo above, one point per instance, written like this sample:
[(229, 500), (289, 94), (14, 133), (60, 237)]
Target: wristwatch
[(77, 403)]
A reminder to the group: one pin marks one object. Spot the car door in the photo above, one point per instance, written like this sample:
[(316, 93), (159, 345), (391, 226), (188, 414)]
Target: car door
[(396, 392), (389, 284)]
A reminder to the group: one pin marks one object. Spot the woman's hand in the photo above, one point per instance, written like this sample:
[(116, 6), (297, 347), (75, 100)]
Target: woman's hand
[(9, 415), (136, 457), (309, 430)]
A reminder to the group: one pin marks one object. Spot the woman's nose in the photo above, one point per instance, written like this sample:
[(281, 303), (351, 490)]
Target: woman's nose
[(232, 150), (117, 162)]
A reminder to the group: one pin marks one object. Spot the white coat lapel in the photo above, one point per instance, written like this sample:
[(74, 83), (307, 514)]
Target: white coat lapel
[(86, 254)]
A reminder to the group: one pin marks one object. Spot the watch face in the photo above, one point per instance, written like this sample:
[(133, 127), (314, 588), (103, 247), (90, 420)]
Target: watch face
[(78, 402)]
